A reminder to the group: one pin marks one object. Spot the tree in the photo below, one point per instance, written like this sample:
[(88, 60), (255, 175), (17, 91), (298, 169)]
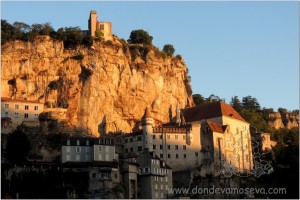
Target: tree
[(140, 37), (17, 147), (73, 37), (88, 41), (25, 28), (99, 34), (213, 98), (7, 31), (236, 104), (198, 99), (251, 103), (169, 49)]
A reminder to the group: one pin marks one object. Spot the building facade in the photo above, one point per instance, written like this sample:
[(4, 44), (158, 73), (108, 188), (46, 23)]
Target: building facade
[(155, 176), (19, 112), (104, 27), (210, 135)]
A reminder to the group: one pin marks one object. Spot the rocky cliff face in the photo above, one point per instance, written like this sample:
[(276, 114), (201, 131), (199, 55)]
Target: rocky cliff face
[(283, 120), (98, 86)]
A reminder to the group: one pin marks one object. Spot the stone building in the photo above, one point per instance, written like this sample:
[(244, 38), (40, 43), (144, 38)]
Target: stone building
[(207, 135), (104, 27), (155, 176), (88, 149), (94, 159), (15, 112)]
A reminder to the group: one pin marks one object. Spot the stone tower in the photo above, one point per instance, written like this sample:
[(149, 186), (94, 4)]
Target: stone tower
[(178, 117), (147, 123), (93, 22)]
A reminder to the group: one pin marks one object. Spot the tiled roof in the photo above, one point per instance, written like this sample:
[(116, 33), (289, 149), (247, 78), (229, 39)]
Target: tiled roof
[(215, 127), (208, 111), (18, 100)]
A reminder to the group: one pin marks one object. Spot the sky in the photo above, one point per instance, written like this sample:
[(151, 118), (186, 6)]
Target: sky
[(231, 48)]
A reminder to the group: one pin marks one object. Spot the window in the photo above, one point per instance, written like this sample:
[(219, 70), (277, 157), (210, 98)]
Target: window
[(156, 187), (36, 107), (177, 156), (196, 153), (139, 138), (161, 186), (99, 148), (36, 116), (126, 140), (78, 157), (131, 149), (87, 150), (26, 115), (78, 142), (107, 148), (153, 136), (87, 143), (87, 156), (16, 115), (161, 155), (166, 179), (78, 149), (94, 175), (131, 139), (126, 150), (176, 137), (154, 146), (68, 157), (169, 155), (26, 107), (162, 194), (160, 137), (140, 148), (101, 26), (176, 147), (184, 155), (6, 106), (68, 149), (183, 137), (17, 106), (169, 147), (6, 114), (168, 136), (68, 142), (184, 147), (160, 146), (208, 147)]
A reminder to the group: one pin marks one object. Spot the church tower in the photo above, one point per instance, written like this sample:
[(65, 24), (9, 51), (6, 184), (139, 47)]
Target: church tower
[(147, 123), (93, 22), (178, 118)]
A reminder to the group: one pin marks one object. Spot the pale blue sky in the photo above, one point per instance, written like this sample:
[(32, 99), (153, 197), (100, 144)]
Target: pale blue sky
[(230, 48)]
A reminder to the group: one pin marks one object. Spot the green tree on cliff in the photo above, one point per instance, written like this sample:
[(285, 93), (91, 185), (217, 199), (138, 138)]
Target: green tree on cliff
[(140, 37), (169, 49)]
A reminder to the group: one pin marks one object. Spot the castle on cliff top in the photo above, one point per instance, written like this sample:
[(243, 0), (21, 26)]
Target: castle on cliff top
[(104, 27)]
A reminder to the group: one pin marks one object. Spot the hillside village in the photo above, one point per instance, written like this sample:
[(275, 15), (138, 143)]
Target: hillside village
[(143, 152)]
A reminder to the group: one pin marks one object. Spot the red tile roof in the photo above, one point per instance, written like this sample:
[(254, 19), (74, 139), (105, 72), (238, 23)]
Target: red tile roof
[(19, 100), (208, 111), (215, 127)]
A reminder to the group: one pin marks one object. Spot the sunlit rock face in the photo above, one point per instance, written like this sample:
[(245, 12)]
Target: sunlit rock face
[(98, 86), (285, 120)]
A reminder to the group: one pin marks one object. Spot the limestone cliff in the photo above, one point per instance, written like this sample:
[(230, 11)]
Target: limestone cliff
[(283, 120), (100, 85)]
